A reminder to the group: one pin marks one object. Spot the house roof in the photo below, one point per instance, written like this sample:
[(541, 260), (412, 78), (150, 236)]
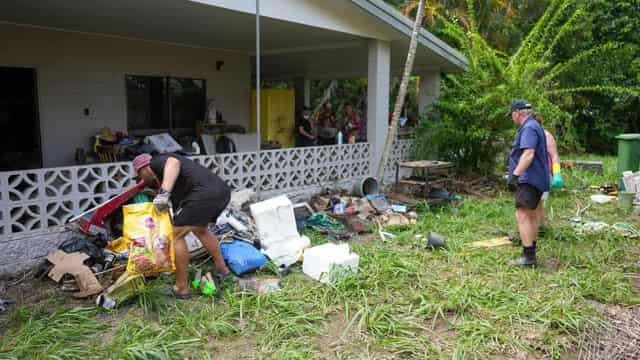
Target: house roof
[(397, 20)]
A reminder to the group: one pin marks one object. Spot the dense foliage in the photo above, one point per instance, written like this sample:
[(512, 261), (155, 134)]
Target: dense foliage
[(549, 68)]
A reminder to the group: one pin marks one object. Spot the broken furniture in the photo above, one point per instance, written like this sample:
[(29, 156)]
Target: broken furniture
[(426, 168)]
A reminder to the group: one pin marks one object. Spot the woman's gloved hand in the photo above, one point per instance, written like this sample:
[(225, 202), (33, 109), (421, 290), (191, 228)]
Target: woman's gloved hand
[(557, 182)]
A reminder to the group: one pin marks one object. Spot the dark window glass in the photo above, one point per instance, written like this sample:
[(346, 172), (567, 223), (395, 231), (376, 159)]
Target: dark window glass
[(164, 103), (188, 102), (146, 103)]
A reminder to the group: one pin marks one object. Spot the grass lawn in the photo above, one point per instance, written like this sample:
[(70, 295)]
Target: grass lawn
[(405, 302)]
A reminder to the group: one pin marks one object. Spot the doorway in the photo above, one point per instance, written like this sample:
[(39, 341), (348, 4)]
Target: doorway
[(19, 123)]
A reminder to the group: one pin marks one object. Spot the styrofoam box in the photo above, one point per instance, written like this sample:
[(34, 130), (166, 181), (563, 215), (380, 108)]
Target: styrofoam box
[(320, 261), (274, 220)]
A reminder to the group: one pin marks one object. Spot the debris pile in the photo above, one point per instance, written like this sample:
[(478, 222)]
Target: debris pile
[(123, 243)]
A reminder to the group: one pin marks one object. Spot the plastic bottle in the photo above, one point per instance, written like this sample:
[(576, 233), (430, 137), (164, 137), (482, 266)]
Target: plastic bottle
[(339, 137)]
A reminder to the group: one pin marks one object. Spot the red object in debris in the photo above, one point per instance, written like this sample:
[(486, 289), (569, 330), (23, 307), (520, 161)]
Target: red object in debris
[(92, 221)]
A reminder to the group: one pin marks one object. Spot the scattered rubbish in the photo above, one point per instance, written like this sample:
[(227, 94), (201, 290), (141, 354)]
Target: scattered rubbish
[(241, 257), (4, 303), (302, 212), (92, 221), (592, 227), (626, 230), (150, 233), (366, 186), (394, 219), (193, 243), (435, 240), (261, 286), (440, 194), (329, 262), (72, 264), (602, 199), (241, 197), (383, 235), (320, 203), (227, 218), (287, 253), (208, 285), (118, 245), (501, 241), (197, 280), (126, 287), (608, 189), (322, 220), (355, 224), (338, 208), (379, 202), (399, 208), (276, 225), (83, 244)]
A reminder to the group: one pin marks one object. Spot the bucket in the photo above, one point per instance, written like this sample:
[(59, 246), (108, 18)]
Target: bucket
[(625, 200), (366, 186)]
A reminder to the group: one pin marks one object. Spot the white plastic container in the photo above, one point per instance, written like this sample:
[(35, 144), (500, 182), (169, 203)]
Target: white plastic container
[(275, 220), (326, 262), (276, 226)]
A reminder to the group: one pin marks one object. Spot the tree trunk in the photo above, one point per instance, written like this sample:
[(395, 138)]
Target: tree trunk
[(408, 67)]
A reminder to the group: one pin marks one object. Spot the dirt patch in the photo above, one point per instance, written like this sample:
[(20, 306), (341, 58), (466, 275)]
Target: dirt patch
[(618, 339), (337, 335), (550, 264), (233, 348)]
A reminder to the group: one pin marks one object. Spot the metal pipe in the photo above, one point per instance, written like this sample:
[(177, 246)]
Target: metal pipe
[(258, 94)]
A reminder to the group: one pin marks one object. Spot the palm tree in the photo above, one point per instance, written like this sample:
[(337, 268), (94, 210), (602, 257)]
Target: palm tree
[(402, 92)]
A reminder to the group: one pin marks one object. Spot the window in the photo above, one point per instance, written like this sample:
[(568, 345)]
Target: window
[(164, 104)]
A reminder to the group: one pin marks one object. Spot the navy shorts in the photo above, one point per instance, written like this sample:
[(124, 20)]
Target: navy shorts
[(527, 197)]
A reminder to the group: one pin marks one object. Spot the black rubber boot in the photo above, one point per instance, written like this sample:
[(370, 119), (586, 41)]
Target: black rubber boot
[(523, 261), (528, 258)]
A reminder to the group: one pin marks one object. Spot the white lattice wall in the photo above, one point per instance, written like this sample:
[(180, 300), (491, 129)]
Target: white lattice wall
[(34, 200)]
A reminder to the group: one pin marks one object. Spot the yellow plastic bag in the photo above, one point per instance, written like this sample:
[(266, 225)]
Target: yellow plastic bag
[(150, 237)]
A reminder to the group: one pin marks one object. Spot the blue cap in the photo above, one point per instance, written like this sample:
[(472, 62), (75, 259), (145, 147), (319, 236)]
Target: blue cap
[(520, 105)]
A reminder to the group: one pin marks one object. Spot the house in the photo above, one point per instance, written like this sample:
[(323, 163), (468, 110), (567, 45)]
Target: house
[(70, 68)]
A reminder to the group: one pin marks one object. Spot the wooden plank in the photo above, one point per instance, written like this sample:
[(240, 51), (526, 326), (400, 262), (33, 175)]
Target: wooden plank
[(501, 241)]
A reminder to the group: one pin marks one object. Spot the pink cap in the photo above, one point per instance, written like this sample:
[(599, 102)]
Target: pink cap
[(141, 161)]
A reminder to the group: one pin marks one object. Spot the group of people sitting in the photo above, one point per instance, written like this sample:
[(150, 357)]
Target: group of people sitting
[(327, 129)]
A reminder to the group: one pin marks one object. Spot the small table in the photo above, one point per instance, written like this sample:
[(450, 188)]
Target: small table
[(426, 166)]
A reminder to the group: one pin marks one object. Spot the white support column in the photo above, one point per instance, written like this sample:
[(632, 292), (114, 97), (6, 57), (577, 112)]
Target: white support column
[(429, 90), (378, 98)]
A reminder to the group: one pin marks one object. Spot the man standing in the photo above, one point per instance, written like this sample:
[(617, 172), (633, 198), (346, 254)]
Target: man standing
[(304, 129), (198, 197), (529, 174)]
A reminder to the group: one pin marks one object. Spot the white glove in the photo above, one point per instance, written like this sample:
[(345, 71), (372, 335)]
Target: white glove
[(161, 201)]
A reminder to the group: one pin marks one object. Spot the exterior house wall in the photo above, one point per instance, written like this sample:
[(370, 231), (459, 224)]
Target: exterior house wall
[(77, 71)]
